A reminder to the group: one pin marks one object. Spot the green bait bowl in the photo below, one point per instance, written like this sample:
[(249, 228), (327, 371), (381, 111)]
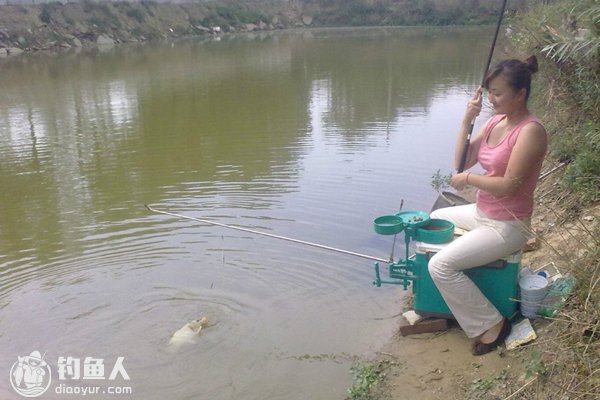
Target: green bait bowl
[(414, 219), (388, 225), (436, 231)]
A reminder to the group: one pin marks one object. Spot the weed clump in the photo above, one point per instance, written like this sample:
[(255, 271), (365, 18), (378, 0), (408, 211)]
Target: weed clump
[(567, 34), (366, 376)]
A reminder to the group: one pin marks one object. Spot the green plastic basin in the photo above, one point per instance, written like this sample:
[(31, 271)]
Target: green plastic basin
[(388, 225), (436, 231)]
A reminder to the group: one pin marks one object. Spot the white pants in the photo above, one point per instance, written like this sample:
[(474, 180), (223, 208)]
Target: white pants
[(487, 240)]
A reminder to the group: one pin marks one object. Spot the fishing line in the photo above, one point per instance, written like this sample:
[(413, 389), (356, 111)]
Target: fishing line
[(238, 228)]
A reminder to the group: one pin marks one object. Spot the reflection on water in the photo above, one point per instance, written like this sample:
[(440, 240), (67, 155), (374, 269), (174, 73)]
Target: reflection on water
[(305, 134)]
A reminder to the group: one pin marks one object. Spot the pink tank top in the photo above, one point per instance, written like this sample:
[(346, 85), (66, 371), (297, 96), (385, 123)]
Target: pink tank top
[(494, 161)]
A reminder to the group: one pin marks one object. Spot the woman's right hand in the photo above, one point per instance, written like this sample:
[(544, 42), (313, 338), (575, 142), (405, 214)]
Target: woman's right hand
[(474, 106)]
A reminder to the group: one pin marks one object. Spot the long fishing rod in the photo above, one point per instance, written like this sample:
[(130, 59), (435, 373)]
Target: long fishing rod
[(463, 158), (238, 228)]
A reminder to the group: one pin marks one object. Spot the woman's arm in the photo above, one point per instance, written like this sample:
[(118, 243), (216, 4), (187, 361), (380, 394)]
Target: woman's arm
[(473, 110), (531, 145)]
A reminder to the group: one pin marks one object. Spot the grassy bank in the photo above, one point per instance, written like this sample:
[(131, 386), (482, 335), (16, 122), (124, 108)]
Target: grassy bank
[(566, 37), (401, 12)]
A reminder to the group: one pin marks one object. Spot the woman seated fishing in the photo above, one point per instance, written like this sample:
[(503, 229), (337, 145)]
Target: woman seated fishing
[(510, 147)]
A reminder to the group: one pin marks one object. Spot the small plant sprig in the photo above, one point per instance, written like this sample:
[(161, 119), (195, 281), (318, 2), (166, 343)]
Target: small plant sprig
[(440, 182), (535, 366)]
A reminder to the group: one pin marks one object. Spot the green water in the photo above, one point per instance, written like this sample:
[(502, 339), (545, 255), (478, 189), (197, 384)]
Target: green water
[(308, 134)]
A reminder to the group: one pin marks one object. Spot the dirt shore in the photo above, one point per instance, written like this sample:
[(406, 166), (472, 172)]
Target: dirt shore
[(440, 366)]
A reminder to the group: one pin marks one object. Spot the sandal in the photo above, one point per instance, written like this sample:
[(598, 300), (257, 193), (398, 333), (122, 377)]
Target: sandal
[(480, 349)]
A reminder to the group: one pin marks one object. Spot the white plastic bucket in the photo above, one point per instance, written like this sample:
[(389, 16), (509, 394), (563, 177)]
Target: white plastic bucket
[(533, 290)]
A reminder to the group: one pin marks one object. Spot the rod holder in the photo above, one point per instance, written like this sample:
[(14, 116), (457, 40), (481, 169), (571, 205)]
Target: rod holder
[(400, 273)]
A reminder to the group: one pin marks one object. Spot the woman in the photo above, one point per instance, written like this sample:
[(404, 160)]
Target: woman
[(510, 148)]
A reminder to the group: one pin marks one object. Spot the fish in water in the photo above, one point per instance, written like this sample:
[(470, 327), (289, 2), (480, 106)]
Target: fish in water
[(188, 332)]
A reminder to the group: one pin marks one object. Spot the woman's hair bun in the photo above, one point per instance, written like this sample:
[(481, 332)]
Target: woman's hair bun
[(532, 64)]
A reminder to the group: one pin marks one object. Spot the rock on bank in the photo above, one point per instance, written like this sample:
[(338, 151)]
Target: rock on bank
[(52, 26)]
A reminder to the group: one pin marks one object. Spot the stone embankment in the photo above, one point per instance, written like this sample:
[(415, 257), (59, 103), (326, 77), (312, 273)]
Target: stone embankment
[(55, 26)]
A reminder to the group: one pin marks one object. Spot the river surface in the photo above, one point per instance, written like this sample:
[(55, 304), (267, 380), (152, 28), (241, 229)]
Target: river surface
[(308, 134)]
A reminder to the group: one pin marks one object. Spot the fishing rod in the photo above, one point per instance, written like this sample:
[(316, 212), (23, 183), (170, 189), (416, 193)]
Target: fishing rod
[(463, 158), (238, 228)]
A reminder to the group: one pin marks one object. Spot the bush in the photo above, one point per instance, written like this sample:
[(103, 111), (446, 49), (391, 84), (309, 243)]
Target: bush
[(136, 14), (583, 174), (572, 80), (45, 16), (98, 23)]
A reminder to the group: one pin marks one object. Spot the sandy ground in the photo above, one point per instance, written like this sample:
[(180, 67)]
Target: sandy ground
[(440, 366)]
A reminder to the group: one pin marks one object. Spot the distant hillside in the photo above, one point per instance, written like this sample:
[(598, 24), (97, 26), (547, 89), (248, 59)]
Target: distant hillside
[(52, 25), (401, 12)]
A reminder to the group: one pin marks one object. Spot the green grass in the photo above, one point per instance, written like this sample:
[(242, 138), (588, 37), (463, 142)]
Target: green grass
[(366, 376), (570, 77)]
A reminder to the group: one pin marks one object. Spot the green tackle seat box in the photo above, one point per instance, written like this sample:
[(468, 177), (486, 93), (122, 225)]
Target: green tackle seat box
[(498, 281)]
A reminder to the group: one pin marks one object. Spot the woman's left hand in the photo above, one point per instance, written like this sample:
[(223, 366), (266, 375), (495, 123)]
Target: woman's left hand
[(459, 181)]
